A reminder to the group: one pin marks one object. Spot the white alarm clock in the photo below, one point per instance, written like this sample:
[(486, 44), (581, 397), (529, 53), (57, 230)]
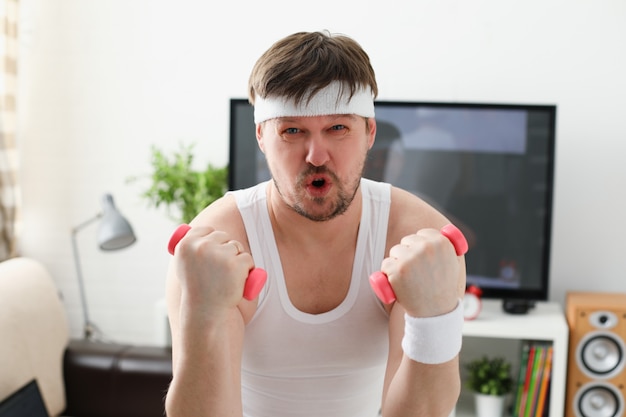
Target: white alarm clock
[(472, 304)]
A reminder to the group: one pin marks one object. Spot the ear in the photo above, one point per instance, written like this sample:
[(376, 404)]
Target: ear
[(259, 136), (371, 122)]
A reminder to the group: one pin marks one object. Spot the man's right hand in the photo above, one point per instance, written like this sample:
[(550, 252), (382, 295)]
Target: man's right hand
[(212, 269)]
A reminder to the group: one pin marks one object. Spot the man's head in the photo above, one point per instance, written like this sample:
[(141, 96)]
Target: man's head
[(313, 97), (312, 74)]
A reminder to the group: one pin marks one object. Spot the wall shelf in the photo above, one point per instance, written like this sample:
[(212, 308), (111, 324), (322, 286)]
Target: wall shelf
[(545, 322)]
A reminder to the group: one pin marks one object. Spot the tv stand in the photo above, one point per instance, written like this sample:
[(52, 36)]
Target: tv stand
[(496, 333), (517, 306)]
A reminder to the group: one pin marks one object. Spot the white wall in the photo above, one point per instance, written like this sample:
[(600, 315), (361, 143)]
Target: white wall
[(102, 80)]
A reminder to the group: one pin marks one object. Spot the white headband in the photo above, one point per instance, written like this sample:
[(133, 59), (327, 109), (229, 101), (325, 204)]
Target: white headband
[(325, 101)]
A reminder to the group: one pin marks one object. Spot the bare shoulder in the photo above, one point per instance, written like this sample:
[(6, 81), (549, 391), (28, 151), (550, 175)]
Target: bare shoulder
[(409, 213), (223, 215)]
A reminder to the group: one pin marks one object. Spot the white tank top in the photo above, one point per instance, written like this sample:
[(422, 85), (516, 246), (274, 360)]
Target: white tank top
[(331, 364)]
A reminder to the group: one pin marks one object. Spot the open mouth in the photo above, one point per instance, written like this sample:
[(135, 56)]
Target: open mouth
[(318, 185), (318, 182)]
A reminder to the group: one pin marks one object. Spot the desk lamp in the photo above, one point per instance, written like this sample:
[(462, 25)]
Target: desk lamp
[(114, 233)]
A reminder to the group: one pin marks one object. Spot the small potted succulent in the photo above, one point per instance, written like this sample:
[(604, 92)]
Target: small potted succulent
[(490, 379)]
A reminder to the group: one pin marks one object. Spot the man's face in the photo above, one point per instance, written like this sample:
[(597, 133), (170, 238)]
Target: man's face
[(317, 162)]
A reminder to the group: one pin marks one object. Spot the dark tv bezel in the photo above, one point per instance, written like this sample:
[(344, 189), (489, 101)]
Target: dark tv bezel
[(522, 294)]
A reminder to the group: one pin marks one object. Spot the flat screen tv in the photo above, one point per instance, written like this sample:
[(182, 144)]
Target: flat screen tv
[(488, 167)]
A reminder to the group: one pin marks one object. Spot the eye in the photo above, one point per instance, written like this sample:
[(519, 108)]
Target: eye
[(291, 130), (338, 127)]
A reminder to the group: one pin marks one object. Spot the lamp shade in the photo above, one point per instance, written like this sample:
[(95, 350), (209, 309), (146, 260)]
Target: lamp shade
[(114, 231)]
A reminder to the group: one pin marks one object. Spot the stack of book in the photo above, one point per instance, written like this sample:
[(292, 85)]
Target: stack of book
[(533, 385)]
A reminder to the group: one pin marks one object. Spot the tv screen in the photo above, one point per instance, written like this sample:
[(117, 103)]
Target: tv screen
[(488, 167)]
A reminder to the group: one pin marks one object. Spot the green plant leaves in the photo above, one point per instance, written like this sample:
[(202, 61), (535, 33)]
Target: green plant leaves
[(490, 376), (177, 185)]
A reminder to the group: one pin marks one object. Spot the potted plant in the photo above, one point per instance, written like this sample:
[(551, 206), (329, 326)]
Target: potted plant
[(177, 185), (490, 379)]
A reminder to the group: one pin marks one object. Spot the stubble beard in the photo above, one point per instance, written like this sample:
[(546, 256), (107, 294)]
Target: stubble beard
[(345, 196)]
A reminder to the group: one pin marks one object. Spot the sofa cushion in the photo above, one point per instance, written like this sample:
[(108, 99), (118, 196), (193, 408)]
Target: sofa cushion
[(34, 331)]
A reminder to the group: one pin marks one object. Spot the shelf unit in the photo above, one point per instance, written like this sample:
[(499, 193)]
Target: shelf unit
[(546, 321)]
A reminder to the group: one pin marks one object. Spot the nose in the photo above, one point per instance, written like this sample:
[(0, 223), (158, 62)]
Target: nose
[(317, 152)]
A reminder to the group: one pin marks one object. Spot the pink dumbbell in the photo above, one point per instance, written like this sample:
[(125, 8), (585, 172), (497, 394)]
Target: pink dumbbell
[(256, 277), (380, 283)]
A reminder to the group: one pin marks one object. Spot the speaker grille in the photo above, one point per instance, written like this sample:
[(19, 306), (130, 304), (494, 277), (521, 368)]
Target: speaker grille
[(600, 355), (599, 400)]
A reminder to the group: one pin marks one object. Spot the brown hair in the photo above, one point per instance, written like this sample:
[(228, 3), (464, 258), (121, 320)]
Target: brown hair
[(303, 63)]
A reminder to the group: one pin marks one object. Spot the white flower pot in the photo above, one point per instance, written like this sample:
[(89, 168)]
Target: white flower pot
[(489, 405)]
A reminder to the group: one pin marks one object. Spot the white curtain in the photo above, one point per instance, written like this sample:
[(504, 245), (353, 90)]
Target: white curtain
[(9, 187)]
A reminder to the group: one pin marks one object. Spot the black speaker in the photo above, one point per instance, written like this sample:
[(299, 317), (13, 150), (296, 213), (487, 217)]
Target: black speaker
[(596, 374)]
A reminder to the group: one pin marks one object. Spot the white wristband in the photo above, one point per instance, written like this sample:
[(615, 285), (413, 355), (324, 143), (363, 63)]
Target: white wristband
[(434, 340)]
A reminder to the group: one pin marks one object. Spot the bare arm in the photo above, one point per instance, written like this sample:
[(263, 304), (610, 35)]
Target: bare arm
[(413, 388), (206, 355), (204, 289)]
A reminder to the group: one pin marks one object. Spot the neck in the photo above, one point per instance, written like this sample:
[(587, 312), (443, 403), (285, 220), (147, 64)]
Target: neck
[(291, 227)]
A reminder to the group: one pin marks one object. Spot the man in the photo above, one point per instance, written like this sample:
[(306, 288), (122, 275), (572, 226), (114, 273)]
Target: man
[(316, 342)]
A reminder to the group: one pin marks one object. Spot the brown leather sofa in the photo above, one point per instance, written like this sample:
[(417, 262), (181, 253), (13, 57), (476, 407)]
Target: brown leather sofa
[(115, 380), (75, 378)]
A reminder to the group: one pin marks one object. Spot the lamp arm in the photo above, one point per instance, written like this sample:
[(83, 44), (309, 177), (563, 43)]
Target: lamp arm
[(88, 328), (86, 223)]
